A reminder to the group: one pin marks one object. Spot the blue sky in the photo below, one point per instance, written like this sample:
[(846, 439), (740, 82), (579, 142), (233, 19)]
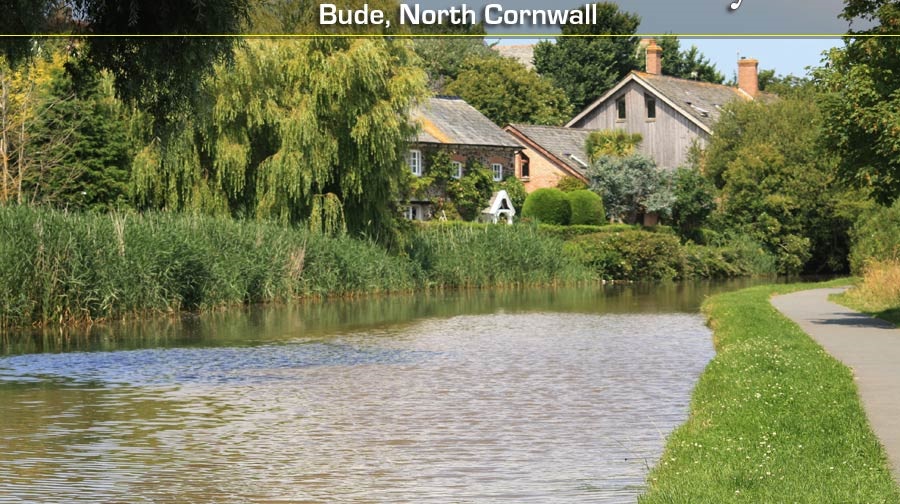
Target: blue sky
[(786, 56)]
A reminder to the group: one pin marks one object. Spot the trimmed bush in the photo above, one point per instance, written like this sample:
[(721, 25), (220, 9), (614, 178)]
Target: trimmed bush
[(587, 208), (549, 206), (629, 255)]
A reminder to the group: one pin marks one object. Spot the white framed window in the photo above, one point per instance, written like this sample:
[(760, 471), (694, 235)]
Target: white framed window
[(497, 170), (457, 169), (414, 158), (412, 212)]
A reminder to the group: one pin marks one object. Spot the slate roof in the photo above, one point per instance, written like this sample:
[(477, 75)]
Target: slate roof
[(523, 53), (702, 100), (563, 143), (452, 121)]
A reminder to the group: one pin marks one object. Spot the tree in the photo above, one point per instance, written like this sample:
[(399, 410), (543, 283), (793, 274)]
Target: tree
[(630, 187), (611, 143), (160, 74), (690, 64), (506, 92), (694, 201), (586, 67), (862, 100), (289, 123), (777, 186)]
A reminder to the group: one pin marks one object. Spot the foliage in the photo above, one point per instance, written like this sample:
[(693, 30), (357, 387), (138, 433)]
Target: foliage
[(482, 255), (783, 85), (506, 92), (690, 64), (878, 292), (66, 267), (628, 255), (773, 418), (515, 189), (570, 183), (876, 237), (862, 100), (82, 151), (617, 143), (472, 193), (777, 186), (586, 67), (548, 206), (291, 121), (444, 58), (630, 186), (694, 202), (160, 74), (587, 208)]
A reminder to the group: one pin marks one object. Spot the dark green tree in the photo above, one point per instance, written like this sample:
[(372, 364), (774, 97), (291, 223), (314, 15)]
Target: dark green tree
[(862, 99), (506, 92), (162, 75), (694, 201), (777, 186), (690, 64), (81, 146), (586, 67)]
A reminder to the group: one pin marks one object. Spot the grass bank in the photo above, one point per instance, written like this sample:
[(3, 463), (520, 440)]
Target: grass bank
[(774, 418), (878, 291)]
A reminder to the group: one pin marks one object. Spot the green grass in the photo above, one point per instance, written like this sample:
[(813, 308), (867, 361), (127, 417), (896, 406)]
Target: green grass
[(774, 418)]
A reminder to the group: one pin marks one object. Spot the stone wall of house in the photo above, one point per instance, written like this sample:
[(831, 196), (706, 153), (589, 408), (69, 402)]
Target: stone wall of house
[(467, 154)]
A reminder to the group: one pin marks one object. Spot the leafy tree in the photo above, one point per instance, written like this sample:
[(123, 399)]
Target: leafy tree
[(862, 100), (690, 64), (783, 85), (506, 92), (444, 58), (586, 67), (290, 122), (777, 186), (694, 201), (631, 187), (515, 189), (81, 145), (161, 74), (617, 143)]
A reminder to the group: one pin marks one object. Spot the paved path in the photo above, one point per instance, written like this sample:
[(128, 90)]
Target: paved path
[(869, 346)]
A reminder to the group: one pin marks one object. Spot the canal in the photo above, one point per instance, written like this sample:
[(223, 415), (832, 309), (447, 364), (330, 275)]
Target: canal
[(543, 395)]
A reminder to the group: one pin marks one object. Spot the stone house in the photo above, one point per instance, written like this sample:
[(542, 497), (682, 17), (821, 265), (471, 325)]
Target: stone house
[(451, 125)]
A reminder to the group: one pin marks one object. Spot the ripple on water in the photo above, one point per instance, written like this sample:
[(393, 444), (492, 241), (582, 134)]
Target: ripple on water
[(516, 408)]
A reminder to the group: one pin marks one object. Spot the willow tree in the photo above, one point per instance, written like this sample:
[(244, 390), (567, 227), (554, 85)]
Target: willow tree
[(289, 123)]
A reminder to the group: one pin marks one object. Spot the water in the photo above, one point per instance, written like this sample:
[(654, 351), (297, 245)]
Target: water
[(533, 396)]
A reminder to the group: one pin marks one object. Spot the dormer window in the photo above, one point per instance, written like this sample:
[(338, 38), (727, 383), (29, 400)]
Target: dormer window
[(414, 159)]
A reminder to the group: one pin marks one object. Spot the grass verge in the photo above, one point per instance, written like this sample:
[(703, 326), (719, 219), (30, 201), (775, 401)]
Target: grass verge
[(774, 418), (877, 293)]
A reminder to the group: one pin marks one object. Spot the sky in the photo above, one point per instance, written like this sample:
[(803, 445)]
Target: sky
[(786, 56)]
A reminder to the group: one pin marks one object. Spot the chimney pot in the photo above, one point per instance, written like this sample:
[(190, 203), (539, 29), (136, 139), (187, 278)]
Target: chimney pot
[(748, 76), (654, 58)]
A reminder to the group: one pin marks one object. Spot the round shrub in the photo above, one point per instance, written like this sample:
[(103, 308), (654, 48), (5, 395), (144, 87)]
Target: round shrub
[(549, 206), (587, 208)]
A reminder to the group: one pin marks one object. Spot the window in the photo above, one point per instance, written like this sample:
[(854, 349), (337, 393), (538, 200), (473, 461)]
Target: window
[(412, 212), (457, 172), (620, 109), (651, 106), (415, 162), (497, 169), (526, 168)]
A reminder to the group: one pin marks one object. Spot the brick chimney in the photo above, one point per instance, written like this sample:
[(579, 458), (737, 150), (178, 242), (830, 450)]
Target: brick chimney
[(654, 58), (748, 76)]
